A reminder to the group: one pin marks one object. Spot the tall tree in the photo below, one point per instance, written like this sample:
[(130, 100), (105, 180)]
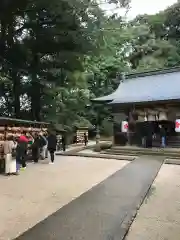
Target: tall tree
[(40, 40)]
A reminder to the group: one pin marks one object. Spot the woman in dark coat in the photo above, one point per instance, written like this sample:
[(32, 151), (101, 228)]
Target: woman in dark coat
[(36, 148), (21, 151), (52, 142)]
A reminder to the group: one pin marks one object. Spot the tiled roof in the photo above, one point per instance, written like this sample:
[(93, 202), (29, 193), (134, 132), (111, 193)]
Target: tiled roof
[(147, 87)]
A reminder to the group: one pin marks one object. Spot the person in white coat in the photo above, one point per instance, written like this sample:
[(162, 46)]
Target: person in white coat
[(10, 162)]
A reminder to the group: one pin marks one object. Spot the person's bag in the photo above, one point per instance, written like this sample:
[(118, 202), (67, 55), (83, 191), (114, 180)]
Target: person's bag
[(13, 152)]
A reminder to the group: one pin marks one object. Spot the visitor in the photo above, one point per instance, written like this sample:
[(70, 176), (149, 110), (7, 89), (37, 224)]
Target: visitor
[(85, 139), (52, 142), (30, 142), (63, 140), (46, 150), (43, 145), (162, 136), (21, 150), (36, 148), (10, 162)]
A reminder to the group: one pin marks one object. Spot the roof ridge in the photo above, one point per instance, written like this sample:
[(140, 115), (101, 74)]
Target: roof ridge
[(153, 72)]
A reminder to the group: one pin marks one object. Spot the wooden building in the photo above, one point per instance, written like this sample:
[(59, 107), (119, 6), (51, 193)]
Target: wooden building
[(146, 100)]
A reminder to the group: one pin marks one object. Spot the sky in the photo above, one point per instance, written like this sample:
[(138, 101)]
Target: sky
[(142, 7), (149, 6)]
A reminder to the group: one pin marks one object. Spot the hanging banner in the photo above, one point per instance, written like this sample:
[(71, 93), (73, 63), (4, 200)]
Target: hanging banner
[(124, 126), (177, 125)]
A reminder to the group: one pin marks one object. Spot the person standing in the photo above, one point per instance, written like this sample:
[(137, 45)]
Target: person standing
[(52, 142), (10, 162), (43, 145), (162, 136), (85, 139), (63, 140), (36, 148), (21, 151), (46, 150)]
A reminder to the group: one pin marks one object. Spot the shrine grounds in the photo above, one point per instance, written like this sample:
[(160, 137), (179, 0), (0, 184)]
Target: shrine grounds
[(92, 198)]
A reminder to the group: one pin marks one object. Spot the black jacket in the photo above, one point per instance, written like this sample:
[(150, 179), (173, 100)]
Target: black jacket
[(52, 142), (21, 149), (63, 140), (162, 132), (36, 143)]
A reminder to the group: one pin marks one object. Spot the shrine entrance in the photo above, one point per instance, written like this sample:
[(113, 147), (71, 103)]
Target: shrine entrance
[(143, 122)]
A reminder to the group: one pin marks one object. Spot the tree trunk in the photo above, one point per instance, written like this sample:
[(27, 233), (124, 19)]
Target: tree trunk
[(3, 38), (35, 91), (35, 100), (16, 93), (16, 84)]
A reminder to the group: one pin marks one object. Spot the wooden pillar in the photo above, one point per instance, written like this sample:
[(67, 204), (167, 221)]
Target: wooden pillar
[(132, 127)]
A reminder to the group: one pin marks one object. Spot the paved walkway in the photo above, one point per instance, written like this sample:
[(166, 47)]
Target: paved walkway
[(105, 211), (43, 189), (159, 216)]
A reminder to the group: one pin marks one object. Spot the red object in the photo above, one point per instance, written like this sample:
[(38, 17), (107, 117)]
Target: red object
[(177, 125), (23, 138)]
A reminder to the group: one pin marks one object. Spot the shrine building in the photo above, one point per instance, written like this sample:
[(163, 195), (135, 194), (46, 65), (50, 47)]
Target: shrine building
[(141, 103)]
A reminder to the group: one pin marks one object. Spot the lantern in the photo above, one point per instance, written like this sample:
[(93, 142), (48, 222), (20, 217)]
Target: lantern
[(124, 126), (25, 129), (2, 128), (140, 118), (9, 134), (1, 137), (151, 118), (177, 125), (145, 117), (163, 116), (15, 129)]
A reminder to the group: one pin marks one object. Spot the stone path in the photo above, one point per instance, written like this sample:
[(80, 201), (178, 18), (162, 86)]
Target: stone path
[(105, 211), (43, 189), (159, 216), (75, 147)]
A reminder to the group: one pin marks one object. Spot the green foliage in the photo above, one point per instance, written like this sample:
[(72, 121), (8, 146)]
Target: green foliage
[(45, 41), (57, 55)]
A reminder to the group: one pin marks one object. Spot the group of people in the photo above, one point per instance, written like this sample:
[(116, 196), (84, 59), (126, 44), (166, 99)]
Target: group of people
[(160, 134), (16, 151)]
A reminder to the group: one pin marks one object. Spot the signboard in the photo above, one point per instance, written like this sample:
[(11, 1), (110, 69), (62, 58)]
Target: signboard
[(80, 135), (124, 126), (177, 125)]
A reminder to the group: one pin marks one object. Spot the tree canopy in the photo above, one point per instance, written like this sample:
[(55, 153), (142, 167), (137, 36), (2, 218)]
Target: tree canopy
[(57, 55)]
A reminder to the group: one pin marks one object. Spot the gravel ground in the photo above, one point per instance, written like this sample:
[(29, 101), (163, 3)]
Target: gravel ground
[(105, 211), (42, 189), (159, 216)]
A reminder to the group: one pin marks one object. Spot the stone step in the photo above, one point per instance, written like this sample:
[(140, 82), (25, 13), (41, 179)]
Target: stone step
[(136, 148), (139, 152), (136, 154)]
